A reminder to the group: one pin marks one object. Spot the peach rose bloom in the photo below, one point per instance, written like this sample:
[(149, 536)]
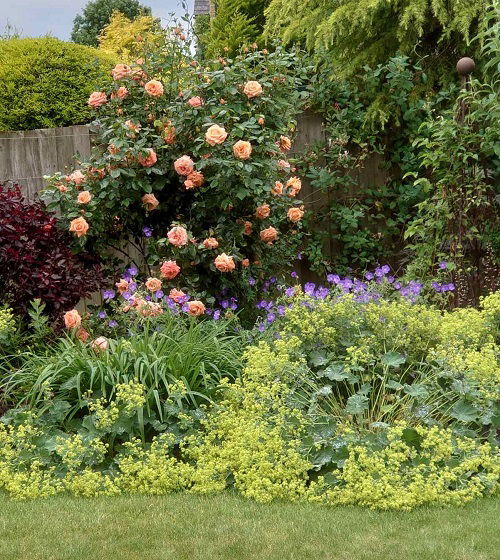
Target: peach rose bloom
[(294, 184), (122, 286), (261, 121), (277, 190), (98, 171), (72, 319), (195, 101), (154, 88), (176, 295), (61, 187), (245, 263), (195, 308), (100, 343), (242, 149), (184, 165), (96, 99), (268, 235), (169, 133), (262, 211), (194, 179), (84, 197), (224, 263), (248, 228), (284, 143), (252, 89), (178, 236), (132, 126), (77, 177), (120, 71), (82, 335), (295, 214), (122, 92), (215, 134), (149, 160), (79, 226), (153, 284), (169, 270), (210, 243), (283, 165), (150, 201), (150, 309)]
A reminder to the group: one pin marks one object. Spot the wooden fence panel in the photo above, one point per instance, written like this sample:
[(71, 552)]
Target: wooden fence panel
[(26, 156)]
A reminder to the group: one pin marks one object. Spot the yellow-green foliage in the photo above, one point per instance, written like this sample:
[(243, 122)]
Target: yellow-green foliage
[(46, 82), (130, 39), (399, 477), (7, 326)]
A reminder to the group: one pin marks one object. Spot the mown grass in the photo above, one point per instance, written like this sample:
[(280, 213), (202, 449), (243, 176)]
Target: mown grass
[(226, 527)]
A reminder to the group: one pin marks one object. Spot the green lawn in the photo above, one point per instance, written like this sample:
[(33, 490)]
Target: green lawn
[(225, 527)]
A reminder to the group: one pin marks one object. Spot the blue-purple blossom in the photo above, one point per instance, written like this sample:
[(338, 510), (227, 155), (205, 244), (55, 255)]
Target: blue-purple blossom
[(102, 314), (108, 294), (309, 288), (369, 275), (159, 294), (112, 323), (270, 317), (289, 292), (294, 274), (132, 286), (385, 269), (321, 292), (443, 265), (132, 271), (216, 314), (251, 281), (126, 295), (147, 231)]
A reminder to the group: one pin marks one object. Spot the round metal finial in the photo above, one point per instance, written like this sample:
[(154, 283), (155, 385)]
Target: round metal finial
[(465, 66)]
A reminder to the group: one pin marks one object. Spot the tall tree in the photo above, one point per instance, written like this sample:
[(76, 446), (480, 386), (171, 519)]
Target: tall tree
[(88, 25)]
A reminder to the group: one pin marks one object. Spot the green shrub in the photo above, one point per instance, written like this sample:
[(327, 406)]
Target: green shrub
[(45, 82)]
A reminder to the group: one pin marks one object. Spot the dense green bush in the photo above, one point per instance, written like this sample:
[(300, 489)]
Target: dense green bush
[(45, 82)]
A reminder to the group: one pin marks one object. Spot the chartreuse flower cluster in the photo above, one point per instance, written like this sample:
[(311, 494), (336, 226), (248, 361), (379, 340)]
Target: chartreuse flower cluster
[(7, 325), (250, 440)]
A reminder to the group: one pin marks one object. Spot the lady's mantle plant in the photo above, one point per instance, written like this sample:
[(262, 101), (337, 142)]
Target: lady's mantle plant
[(195, 158)]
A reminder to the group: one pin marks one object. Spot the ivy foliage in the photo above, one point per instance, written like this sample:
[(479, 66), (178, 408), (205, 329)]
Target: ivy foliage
[(360, 32)]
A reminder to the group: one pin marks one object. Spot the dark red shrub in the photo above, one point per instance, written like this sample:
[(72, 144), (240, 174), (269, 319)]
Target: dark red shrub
[(35, 258)]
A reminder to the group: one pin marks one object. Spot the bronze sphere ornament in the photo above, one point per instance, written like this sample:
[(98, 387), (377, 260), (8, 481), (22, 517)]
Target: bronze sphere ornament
[(465, 66)]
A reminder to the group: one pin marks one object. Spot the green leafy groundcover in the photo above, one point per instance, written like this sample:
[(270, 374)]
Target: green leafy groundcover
[(389, 405)]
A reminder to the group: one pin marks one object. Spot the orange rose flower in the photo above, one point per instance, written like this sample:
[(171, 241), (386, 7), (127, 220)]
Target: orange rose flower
[(149, 160), (169, 270), (77, 177), (294, 184), (284, 143), (96, 99), (120, 71), (72, 319), (82, 335), (283, 165), (184, 165), (150, 202), (248, 228), (153, 284), (215, 134), (195, 101), (261, 121), (122, 286), (194, 179), (224, 263), (169, 133), (100, 344), (295, 214), (176, 295), (178, 236), (242, 149), (210, 243), (134, 128), (269, 235), (277, 190), (245, 263), (262, 211), (252, 89), (61, 187), (79, 226), (195, 308), (154, 88), (120, 93), (84, 197)]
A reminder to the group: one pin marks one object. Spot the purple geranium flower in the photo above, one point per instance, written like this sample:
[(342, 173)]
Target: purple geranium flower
[(289, 292), (309, 288), (251, 281), (147, 231), (443, 265), (132, 271), (369, 275), (108, 294), (159, 294), (102, 314), (112, 323)]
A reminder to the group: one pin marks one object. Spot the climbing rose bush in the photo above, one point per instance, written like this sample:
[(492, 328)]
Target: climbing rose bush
[(192, 165)]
